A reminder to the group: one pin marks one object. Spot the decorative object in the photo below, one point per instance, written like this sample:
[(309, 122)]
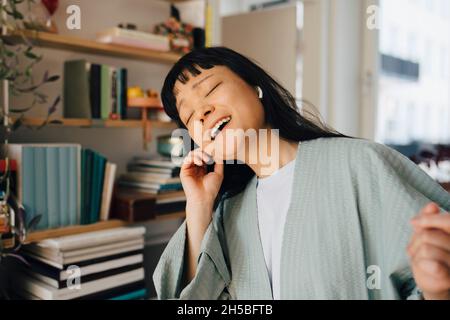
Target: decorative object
[(181, 34), (39, 16)]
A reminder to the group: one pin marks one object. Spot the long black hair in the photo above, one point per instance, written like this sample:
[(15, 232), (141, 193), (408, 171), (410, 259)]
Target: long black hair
[(280, 107)]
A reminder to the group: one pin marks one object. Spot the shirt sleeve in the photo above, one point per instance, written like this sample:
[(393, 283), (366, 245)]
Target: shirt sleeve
[(399, 190), (212, 276)]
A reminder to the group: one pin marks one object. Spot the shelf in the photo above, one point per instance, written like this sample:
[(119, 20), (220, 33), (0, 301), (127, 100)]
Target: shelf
[(93, 123), (168, 216), (103, 225), (66, 231), (63, 42)]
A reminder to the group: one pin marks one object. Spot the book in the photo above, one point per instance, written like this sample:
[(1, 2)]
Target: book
[(108, 186), (51, 272), (63, 177), (163, 171), (99, 163), (102, 295), (152, 186), (87, 256), (58, 278), (44, 291), (92, 239), (134, 295), (53, 186), (148, 177), (123, 88), (114, 74), (105, 91), (95, 90), (77, 89), (45, 182), (158, 162), (74, 182), (40, 187)]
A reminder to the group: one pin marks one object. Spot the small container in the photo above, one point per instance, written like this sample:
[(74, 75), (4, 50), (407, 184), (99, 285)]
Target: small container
[(169, 146)]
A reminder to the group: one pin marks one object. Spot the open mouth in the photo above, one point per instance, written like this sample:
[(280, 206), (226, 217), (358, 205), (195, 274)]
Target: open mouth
[(219, 126)]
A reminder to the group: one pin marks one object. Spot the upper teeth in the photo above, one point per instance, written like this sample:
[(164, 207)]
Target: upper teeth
[(215, 130)]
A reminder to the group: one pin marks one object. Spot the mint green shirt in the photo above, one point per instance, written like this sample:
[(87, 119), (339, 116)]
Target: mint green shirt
[(345, 236)]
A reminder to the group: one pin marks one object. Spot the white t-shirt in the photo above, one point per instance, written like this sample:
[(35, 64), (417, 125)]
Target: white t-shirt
[(273, 196)]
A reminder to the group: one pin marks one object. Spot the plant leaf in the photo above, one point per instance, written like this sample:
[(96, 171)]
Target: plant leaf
[(44, 79), (53, 78), (52, 109)]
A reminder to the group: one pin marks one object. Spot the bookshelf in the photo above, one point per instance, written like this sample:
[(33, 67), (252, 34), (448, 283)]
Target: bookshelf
[(76, 44), (86, 46), (94, 123)]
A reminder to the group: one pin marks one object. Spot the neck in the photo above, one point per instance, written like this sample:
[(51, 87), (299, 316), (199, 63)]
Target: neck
[(270, 153)]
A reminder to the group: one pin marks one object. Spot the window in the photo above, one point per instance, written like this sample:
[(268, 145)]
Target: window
[(414, 108)]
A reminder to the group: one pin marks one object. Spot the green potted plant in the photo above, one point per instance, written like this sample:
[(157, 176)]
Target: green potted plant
[(17, 60)]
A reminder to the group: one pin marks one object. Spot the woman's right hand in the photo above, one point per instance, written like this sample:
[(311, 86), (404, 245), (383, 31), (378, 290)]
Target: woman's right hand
[(201, 188)]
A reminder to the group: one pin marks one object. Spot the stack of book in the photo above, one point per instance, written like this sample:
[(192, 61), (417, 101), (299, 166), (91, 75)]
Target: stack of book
[(62, 183), (155, 175), (94, 91), (151, 187), (134, 38), (98, 265)]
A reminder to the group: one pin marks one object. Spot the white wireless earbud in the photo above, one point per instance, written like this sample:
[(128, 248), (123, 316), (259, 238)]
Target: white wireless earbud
[(260, 93)]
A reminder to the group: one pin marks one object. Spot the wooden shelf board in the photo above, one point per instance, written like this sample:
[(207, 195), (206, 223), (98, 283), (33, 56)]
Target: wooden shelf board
[(168, 216), (59, 232), (64, 42), (72, 230), (35, 122), (102, 225)]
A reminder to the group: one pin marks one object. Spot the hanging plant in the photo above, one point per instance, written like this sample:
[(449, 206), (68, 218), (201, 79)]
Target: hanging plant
[(17, 61)]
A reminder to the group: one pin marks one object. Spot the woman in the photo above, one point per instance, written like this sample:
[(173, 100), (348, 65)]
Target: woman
[(303, 212)]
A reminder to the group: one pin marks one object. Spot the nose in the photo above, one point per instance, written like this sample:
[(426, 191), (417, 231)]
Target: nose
[(204, 112)]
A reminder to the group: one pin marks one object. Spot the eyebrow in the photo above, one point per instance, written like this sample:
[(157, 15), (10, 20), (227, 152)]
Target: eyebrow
[(194, 86)]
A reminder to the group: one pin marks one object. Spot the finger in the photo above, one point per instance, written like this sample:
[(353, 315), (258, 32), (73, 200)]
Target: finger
[(219, 168), (198, 160), (437, 274), (431, 252), (441, 222), (430, 209), (188, 160), (433, 237), (203, 157), (210, 151), (432, 267)]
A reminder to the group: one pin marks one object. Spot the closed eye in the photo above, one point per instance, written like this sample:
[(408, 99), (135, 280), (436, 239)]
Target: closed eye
[(213, 89)]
